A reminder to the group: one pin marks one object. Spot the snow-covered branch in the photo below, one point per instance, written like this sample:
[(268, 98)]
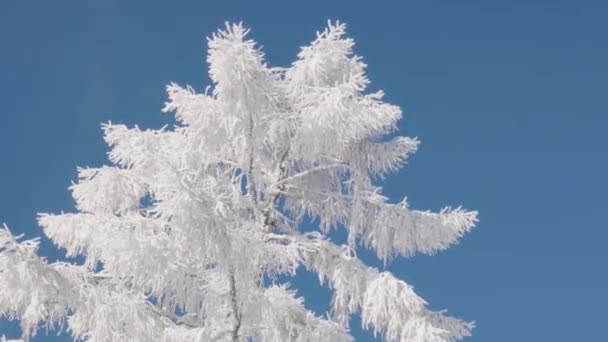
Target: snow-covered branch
[(387, 304)]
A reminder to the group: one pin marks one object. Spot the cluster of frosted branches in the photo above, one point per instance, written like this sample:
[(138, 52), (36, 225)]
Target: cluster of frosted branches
[(184, 236)]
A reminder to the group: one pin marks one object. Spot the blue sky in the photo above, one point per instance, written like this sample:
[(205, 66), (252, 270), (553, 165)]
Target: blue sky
[(507, 97)]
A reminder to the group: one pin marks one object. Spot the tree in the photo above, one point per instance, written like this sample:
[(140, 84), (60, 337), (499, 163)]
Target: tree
[(184, 236)]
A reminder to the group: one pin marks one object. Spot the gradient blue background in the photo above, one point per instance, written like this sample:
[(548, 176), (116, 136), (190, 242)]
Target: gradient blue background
[(509, 99)]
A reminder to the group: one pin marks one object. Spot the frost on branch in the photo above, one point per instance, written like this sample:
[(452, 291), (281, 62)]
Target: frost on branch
[(29, 289), (116, 190), (184, 236)]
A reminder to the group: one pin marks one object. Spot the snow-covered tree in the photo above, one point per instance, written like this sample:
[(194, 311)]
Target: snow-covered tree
[(186, 235)]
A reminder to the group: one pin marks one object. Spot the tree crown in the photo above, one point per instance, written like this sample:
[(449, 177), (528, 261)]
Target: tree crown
[(184, 235)]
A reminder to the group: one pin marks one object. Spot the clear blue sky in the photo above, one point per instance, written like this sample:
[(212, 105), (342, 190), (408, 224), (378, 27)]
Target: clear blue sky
[(509, 99)]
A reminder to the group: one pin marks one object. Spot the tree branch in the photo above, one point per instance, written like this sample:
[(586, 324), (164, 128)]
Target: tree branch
[(309, 171), (235, 307)]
